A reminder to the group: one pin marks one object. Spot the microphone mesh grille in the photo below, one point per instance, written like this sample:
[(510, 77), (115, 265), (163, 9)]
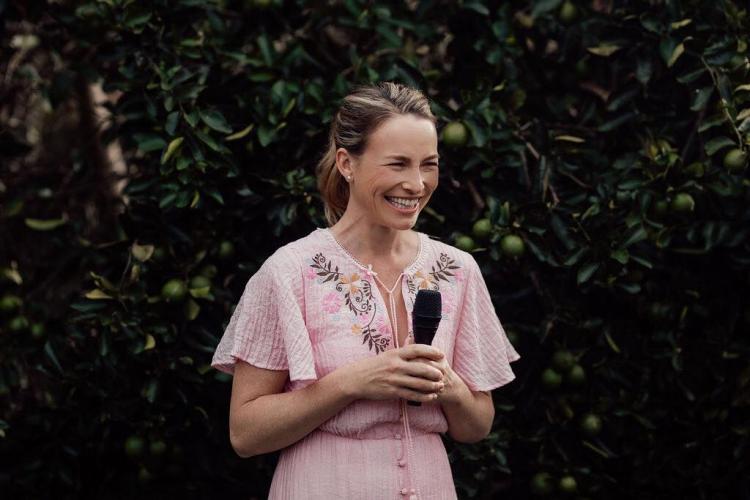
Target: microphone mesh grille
[(428, 304)]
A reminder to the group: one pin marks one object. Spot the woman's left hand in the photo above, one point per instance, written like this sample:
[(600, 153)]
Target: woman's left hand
[(453, 385)]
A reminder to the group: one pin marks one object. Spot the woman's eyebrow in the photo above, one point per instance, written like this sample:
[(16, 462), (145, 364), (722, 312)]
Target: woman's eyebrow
[(406, 158)]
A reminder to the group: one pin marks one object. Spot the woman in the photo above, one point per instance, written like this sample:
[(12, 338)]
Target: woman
[(320, 343)]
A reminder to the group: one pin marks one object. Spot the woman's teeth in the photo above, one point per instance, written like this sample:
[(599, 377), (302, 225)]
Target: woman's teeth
[(405, 203)]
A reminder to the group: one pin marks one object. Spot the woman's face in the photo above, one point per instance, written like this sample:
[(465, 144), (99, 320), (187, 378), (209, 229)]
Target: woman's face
[(395, 176)]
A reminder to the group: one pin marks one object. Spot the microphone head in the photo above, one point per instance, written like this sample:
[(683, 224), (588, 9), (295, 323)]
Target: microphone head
[(428, 304)]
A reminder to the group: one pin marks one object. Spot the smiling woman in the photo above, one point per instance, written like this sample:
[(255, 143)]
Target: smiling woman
[(320, 343)]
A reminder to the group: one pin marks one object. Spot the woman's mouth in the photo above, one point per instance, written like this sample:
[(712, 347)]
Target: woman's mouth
[(403, 205)]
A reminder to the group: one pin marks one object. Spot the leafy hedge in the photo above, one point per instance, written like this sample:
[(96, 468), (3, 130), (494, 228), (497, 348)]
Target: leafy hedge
[(611, 137)]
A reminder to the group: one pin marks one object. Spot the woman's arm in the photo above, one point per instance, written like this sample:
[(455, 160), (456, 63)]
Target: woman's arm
[(469, 413), (262, 419)]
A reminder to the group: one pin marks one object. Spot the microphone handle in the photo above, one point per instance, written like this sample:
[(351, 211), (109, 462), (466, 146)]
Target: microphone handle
[(423, 335)]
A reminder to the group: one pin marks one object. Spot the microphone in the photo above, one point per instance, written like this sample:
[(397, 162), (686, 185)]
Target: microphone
[(425, 319)]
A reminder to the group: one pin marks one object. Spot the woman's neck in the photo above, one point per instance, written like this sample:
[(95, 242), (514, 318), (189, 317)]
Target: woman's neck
[(373, 243)]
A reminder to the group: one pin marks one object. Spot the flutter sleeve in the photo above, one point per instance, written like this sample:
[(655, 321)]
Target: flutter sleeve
[(482, 352), (267, 328)]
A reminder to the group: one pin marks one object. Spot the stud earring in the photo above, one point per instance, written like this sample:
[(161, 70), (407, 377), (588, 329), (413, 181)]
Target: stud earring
[(349, 178)]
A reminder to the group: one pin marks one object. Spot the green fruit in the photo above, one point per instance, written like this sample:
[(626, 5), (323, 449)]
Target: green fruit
[(695, 169), (563, 360), (541, 483), (465, 243), (518, 98), (157, 448), (660, 207), (735, 160), (226, 250), (37, 330), (512, 245), (174, 290), (568, 12), (567, 484), (551, 379), (682, 202), (200, 281), (18, 323), (10, 302), (160, 254), (455, 134), (134, 446), (591, 424), (209, 271), (512, 336), (576, 375), (482, 228), (144, 476)]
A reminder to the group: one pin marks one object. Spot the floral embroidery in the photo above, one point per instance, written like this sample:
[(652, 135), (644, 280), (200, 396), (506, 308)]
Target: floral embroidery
[(331, 302), (357, 297), (445, 267)]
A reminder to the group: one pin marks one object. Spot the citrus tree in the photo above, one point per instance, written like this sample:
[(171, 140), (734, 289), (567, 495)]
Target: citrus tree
[(594, 161)]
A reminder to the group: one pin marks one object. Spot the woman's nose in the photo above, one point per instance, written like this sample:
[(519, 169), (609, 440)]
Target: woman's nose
[(414, 182)]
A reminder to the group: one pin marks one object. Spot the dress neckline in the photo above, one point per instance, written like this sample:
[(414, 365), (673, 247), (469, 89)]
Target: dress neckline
[(407, 270)]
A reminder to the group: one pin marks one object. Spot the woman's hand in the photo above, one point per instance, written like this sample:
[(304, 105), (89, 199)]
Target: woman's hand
[(453, 384), (396, 373)]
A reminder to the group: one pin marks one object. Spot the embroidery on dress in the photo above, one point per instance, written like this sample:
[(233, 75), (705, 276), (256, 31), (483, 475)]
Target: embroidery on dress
[(444, 269), (357, 294)]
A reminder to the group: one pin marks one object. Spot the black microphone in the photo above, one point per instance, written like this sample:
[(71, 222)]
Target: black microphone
[(425, 319)]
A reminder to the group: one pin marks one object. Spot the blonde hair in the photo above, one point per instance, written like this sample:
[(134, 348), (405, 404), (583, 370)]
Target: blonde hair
[(358, 116)]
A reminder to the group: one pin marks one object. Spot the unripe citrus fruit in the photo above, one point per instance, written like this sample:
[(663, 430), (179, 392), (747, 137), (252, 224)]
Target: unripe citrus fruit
[(512, 245), (160, 253), (465, 243), (735, 160), (568, 12), (209, 270), (512, 336), (226, 250), (174, 290), (482, 228), (144, 476), (576, 375), (37, 330), (660, 207), (157, 448), (18, 323), (695, 169), (134, 446), (551, 379), (682, 202), (455, 134), (541, 483), (568, 484), (563, 360), (591, 424), (9, 302), (200, 281)]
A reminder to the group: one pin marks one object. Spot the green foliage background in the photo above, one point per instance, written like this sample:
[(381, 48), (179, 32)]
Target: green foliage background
[(588, 123)]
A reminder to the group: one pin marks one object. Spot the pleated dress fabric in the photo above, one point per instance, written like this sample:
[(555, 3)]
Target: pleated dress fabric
[(312, 308)]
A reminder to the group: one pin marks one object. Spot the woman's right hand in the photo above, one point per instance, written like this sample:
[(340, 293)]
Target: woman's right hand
[(405, 373)]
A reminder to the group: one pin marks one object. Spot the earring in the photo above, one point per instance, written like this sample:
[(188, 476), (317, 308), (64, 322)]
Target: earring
[(349, 178)]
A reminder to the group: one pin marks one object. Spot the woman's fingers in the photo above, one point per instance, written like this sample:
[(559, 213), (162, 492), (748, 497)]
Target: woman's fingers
[(417, 384)]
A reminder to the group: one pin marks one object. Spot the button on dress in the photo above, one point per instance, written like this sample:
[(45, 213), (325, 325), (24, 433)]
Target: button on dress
[(312, 308)]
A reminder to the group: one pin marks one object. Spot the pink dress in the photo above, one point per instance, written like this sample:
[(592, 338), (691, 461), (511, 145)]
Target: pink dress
[(312, 308)]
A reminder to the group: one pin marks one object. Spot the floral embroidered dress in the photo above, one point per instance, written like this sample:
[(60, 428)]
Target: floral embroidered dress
[(312, 308)]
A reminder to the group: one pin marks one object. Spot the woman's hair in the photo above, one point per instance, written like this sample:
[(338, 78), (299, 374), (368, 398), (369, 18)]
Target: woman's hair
[(360, 113)]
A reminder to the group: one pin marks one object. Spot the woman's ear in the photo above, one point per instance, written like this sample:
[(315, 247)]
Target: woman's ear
[(345, 163)]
